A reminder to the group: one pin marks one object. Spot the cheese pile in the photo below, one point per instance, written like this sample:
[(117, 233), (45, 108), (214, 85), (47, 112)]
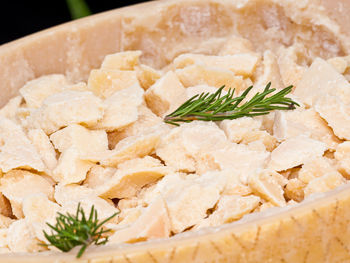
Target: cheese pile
[(104, 143)]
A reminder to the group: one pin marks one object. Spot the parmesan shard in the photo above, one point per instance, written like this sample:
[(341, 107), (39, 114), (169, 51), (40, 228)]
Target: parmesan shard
[(240, 64), (236, 45), (324, 183), (126, 60), (44, 147), (5, 206), (104, 83), (5, 222), (194, 75), (166, 94), (318, 167), (65, 108), (10, 109), (98, 175), (131, 176), (294, 152), (289, 124), (21, 237), (342, 156), (71, 167), (188, 199), (147, 76), (85, 141), (229, 209), (16, 149), (16, 185), (36, 91), (184, 146), (121, 109), (267, 187), (153, 223)]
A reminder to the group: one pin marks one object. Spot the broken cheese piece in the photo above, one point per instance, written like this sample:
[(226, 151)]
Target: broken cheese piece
[(240, 64), (98, 175), (153, 223), (342, 156), (316, 167), (104, 83), (85, 141), (10, 109), (18, 184), (131, 176), (126, 60), (236, 45), (5, 222), (65, 108), (267, 187), (147, 76), (121, 109), (324, 183), (5, 206), (16, 149), (295, 151), (36, 91), (166, 94), (44, 147)]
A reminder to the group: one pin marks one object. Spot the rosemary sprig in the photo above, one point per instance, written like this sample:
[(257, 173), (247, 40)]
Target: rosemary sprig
[(214, 107), (77, 230)]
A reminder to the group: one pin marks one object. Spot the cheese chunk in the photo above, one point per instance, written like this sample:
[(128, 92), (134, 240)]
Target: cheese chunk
[(342, 156), (199, 89), (233, 186), (44, 147), (267, 187), (188, 199), (71, 167), (36, 91), (10, 109), (147, 76), (270, 73), (236, 130), (132, 147), (21, 237), (194, 75), (146, 121), (166, 94), (85, 141), (131, 176), (289, 124), (18, 184), (339, 63), (236, 45), (241, 159), (294, 190), (98, 175), (121, 108), (229, 209), (324, 183), (317, 167), (182, 147), (126, 60), (153, 223), (104, 83), (39, 210), (16, 149), (69, 196), (65, 108), (5, 206), (295, 151), (5, 222), (240, 64), (321, 80)]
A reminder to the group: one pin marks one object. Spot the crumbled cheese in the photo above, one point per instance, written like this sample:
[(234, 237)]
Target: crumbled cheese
[(147, 76), (126, 60), (65, 108), (295, 151), (236, 45), (324, 183)]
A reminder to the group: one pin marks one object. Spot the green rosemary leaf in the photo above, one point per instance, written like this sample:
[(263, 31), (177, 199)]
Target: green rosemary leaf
[(77, 230), (215, 107)]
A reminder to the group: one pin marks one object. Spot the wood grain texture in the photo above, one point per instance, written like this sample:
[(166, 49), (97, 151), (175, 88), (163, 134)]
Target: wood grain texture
[(313, 231)]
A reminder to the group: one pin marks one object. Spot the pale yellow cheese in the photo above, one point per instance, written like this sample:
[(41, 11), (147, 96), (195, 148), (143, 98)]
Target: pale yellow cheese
[(10, 109), (236, 45), (147, 76), (199, 89), (98, 175), (342, 155), (21, 237), (65, 108), (44, 147), (18, 184), (104, 83), (294, 190), (126, 60), (194, 75), (339, 63), (153, 223), (16, 149), (36, 91), (324, 183), (5, 206), (319, 166), (5, 222), (289, 124), (295, 151), (121, 109), (166, 94), (240, 64), (85, 141), (267, 187)]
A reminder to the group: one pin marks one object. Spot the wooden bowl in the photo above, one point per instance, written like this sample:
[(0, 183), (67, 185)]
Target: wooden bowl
[(316, 230)]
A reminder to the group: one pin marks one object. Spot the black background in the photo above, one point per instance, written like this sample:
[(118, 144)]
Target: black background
[(22, 17)]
